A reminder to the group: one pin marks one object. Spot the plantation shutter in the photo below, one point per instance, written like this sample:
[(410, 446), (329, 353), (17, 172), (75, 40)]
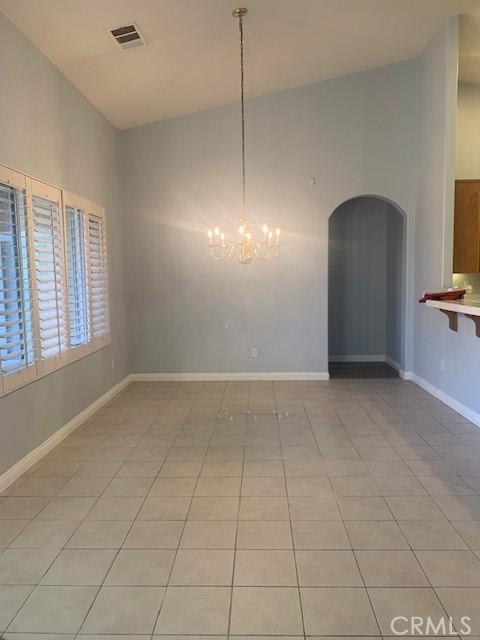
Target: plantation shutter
[(78, 298), (48, 241), (17, 339), (87, 274), (98, 277), (54, 302)]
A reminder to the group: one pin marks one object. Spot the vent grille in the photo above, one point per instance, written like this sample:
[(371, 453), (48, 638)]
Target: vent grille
[(128, 36)]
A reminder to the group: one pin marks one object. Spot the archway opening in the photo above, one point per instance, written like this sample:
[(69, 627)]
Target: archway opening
[(366, 288)]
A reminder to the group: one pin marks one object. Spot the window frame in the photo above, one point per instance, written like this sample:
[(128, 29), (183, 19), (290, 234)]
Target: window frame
[(52, 194), (72, 259), (34, 187), (89, 208), (17, 379)]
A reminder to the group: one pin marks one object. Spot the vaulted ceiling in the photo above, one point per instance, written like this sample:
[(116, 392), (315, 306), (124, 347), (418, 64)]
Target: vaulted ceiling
[(190, 61)]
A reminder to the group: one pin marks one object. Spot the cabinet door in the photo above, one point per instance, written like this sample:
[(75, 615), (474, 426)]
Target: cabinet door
[(466, 252)]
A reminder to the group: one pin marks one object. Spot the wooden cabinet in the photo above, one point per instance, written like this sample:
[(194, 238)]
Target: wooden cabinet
[(466, 246)]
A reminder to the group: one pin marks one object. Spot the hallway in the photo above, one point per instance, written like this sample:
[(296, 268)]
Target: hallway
[(248, 508), (366, 287)]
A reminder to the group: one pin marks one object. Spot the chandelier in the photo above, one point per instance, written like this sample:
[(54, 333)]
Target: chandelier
[(245, 247)]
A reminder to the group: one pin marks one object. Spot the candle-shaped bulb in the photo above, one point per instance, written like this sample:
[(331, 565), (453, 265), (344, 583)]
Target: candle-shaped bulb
[(277, 231), (248, 236), (210, 233), (265, 229), (241, 229), (217, 231)]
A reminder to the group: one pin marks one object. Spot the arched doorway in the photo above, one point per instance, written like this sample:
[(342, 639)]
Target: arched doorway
[(366, 288)]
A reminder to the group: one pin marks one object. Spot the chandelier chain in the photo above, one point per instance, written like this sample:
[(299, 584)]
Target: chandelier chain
[(242, 101), (247, 246)]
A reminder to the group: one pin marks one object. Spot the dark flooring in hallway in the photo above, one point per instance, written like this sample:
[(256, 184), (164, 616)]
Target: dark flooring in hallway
[(362, 370)]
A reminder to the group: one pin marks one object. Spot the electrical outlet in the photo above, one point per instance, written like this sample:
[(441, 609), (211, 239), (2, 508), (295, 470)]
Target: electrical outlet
[(443, 365), (254, 352)]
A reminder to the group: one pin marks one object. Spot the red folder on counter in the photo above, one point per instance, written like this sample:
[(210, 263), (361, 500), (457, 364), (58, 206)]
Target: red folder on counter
[(447, 294)]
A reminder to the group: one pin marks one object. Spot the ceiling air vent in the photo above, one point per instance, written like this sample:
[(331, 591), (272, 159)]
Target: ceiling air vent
[(128, 36)]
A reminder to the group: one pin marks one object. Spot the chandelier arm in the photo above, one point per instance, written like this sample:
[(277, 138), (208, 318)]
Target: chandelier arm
[(261, 252), (218, 252), (266, 251)]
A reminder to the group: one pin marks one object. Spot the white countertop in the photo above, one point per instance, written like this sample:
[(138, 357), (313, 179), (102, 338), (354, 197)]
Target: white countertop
[(470, 305)]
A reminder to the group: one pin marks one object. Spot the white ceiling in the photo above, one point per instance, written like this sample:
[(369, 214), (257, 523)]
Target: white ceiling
[(191, 60)]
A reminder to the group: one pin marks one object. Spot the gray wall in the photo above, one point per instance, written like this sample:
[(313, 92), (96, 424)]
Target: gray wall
[(433, 340), (49, 130), (354, 134), (468, 132), (395, 288), (366, 308)]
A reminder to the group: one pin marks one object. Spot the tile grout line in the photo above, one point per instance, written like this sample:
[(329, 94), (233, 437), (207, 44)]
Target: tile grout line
[(230, 608), (157, 617), (77, 633), (294, 550)]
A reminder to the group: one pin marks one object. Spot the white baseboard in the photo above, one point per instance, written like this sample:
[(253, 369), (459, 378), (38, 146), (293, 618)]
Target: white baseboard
[(457, 406), (47, 445), (395, 365), (355, 358), (204, 377)]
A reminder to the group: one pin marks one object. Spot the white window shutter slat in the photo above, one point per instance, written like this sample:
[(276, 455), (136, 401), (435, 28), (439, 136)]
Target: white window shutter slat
[(17, 343), (50, 279), (78, 298), (98, 277)]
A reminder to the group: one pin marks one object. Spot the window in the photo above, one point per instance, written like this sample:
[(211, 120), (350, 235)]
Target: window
[(97, 275), (53, 279), (77, 277), (49, 275), (17, 345), (87, 274)]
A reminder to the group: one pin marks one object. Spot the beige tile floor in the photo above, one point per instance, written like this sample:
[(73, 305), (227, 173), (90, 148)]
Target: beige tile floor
[(247, 509)]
